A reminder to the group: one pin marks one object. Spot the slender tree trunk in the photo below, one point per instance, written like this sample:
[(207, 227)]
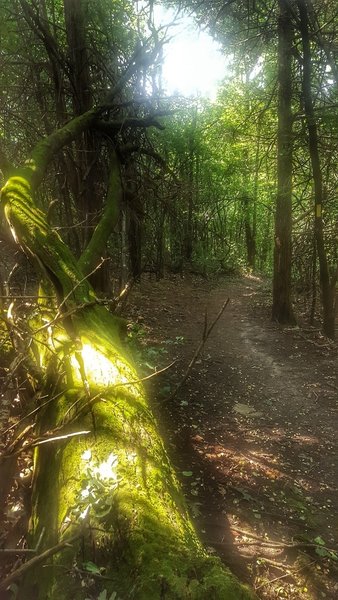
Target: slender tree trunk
[(88, 195), (282, 310), (327, 291), (124, 250), (135, 214), (249, 232), (75, 21), (188, 242), (313, 281), (135, 243), (265, 255), (255, 193)]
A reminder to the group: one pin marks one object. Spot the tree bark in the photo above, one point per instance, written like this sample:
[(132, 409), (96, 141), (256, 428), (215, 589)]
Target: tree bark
[(282, 310), (133, 204), (250, 239), (327, 289)]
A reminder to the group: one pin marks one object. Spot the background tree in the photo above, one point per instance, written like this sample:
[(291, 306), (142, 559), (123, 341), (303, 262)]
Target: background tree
[(265, 37), (281, 304)]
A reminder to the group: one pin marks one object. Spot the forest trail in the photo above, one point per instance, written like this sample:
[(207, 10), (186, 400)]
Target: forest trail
[(253, 432)]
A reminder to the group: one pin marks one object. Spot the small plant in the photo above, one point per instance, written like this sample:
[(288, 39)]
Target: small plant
[(177, 341), (99, 482), (321, 549), (136, 332)]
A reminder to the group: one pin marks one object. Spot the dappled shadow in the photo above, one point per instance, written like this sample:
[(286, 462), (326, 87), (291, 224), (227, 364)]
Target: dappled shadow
[(236, 490), (262, 485)]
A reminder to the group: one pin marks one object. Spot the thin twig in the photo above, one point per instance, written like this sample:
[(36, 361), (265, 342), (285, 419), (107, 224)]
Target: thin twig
[(24, 297), (290, 573), (98, 396), (37, 560), (206, 333), (32, 412), (248, 533), (20, 438), (121, 299), (60, 437), (136, 381), (271, 544), (44, 440), (24, 550), (111, 388)]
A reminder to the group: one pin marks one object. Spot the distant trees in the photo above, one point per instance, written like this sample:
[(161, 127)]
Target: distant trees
[(207, 190), (326, 283), (295, 70), (63, 59)]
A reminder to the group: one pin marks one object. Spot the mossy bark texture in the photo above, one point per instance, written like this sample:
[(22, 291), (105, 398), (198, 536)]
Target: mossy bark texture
[(110, 478)]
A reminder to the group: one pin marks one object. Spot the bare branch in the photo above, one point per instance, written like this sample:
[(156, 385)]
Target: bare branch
[(37, 560), (206, 333)]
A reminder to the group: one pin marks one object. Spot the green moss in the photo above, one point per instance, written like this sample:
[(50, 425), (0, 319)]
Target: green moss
[(146, 542)]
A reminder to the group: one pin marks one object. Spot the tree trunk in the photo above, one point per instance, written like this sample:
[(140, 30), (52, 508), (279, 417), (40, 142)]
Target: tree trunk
[(190, 194), (327, 290), (133, 204), (281, 304), (87, 149), (250, 239), (313, 282), (101, 471)]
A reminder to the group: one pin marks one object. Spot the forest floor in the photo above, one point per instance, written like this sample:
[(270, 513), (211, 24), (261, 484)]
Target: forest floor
[(252, 432)]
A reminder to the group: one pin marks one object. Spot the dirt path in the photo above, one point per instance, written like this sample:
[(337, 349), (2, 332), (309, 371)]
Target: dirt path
[(253, 431)]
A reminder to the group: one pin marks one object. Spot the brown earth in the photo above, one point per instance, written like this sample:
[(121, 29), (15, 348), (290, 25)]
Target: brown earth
[(253, 431)]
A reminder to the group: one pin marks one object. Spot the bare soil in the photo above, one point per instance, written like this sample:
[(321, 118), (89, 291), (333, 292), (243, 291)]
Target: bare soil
[(253, 431)]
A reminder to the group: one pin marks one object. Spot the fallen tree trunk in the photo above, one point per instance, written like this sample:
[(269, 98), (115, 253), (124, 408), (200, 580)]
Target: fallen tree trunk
[(101, 469)]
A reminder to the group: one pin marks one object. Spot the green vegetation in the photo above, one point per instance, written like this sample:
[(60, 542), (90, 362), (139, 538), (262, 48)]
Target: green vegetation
[(105, 178)]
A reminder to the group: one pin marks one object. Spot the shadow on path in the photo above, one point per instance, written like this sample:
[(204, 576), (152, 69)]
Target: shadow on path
[(253, 432)]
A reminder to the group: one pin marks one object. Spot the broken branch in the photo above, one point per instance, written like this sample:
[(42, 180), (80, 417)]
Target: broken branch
[(206, 333)]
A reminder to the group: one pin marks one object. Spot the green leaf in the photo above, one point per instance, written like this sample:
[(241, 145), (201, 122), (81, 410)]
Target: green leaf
[(103, 595), (322, 551), (187, 473), (91, 568), (319, 540), (149, 366), (333, 555)]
